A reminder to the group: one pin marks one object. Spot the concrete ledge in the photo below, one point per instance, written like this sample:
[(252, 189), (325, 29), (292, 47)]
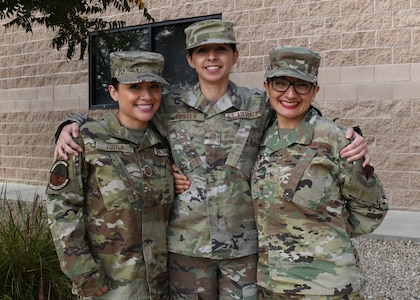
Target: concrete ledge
[(399, 225), (25, 192)]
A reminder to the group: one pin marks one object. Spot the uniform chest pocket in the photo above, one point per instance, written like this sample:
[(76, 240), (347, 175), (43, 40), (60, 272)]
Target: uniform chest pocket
[(245, 147), (114, 182), (184, 131), (306, 183), (157, 181)]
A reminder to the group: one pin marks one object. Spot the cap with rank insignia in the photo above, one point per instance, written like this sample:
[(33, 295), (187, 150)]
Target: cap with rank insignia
[(137, 66)]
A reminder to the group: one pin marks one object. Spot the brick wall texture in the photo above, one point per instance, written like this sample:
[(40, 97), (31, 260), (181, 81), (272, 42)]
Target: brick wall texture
[(370, 76)]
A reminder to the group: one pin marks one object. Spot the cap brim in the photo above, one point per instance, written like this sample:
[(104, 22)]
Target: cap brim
[(291, 73), (138, 78), (210, 41)]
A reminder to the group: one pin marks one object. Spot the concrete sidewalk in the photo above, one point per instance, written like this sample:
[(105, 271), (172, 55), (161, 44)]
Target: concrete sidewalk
[(397, 225)]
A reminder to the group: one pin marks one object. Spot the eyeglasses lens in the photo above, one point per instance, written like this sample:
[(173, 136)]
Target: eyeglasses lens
[(301, 87)]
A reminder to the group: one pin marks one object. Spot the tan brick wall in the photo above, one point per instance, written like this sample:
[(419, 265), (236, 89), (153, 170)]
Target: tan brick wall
[(370, 76)]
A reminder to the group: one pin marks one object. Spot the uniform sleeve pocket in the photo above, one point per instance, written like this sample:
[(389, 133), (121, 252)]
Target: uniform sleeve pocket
[(363, 185)]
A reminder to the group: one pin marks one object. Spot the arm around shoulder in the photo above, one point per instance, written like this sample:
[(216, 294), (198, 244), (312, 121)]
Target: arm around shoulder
[(79, 119)]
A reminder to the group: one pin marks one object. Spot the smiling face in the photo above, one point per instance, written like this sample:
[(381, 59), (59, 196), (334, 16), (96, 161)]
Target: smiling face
[(138, 102), (213, 62), (290, 106)]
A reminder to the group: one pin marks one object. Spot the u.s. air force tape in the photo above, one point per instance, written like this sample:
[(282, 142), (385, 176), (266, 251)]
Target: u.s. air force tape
[(59, 175)]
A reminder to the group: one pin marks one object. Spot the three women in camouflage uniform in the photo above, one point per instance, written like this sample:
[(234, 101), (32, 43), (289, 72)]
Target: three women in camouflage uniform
[(214, 131)]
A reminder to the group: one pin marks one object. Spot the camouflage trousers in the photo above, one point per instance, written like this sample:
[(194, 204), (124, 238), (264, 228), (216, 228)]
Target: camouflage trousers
[(268, 295), (195, 278)]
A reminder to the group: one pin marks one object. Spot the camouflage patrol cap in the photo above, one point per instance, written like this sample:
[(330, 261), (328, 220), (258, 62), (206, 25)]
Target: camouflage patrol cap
[(214, 31), (137, 66), (298, 62)]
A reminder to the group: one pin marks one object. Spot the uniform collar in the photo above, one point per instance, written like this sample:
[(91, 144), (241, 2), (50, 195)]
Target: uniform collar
[(196, 99), (303, 134), (119, 132)]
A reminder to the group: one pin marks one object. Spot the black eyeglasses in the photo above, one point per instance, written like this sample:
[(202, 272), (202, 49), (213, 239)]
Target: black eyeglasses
[(301, 87)]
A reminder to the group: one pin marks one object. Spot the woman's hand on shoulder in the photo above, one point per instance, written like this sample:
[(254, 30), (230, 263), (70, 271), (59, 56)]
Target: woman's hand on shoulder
[(65, 143), (357, 149)]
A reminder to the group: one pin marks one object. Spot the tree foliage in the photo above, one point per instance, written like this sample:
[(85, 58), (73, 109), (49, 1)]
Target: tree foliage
[(70, 20)]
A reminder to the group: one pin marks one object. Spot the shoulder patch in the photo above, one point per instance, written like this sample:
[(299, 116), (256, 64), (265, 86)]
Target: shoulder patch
[(59, 177)]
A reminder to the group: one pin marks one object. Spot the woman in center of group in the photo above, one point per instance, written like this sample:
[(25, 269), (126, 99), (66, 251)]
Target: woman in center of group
[(214, 130)]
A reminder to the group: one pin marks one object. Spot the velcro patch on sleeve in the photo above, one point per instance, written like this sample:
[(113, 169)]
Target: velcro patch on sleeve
[(59, 177)]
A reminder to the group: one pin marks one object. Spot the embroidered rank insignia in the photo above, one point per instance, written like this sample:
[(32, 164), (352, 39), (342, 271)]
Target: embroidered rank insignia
[(147, 171), (59, 175)]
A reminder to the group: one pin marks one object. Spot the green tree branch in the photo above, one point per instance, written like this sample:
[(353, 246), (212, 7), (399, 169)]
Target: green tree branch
[(70, 20)]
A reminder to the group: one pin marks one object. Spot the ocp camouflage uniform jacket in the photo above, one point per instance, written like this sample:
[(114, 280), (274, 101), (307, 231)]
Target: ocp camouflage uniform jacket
[(215, 145), (109, 209), (308, 203)]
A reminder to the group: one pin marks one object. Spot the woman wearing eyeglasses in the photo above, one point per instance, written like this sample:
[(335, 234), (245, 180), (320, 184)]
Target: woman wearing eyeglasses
[(308, 201)]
